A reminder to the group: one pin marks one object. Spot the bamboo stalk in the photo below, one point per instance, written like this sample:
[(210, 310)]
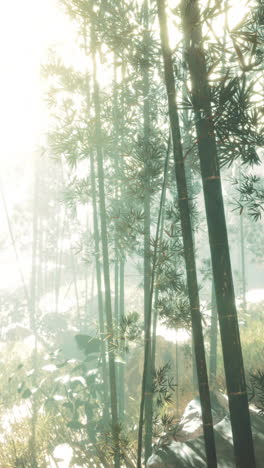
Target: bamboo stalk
[(189, 255), (106, 269), (225, 296)]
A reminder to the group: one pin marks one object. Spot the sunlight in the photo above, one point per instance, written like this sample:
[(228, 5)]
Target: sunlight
[(25, 40), (63, 455), (255, 295), (97, 255), (236, 12), (180, 336), (26, 34)]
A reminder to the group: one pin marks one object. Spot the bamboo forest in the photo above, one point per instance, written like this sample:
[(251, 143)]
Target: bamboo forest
[(132, 240)]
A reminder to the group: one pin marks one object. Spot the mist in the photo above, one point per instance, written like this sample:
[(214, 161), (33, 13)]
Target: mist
[(132, 258)]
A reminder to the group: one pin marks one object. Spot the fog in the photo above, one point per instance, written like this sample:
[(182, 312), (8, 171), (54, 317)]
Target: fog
[(131, 248)]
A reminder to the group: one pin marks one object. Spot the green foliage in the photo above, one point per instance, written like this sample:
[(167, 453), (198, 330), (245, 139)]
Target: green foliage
[(88, 344), (236, 120), (164, 421), (163, 385), (251, 195), (67, 386), (130, 328), (175, 311), (256, 390)]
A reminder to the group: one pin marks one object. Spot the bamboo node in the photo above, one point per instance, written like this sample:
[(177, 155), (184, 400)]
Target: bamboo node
[(227, 316), (212, 177)]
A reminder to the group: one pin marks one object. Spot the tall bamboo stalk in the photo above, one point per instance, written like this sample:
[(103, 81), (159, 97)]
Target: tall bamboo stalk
[(99, 286), (189, 255), (116, 241), (121, 380), (156, 298), (147, 220), (97, 254), (177, 393), (57, 264), (146, 387), (76, 291), (213, 339), (33, 311), (160, 237), (116, 190), (242, 256), (187, 144), (106, 269), (225, 296)]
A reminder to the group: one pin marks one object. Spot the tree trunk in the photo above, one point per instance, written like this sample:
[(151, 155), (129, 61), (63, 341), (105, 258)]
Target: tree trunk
[(147, 259), (97, 252), (106, 270), (121, 316), (156, 298), (225, 297), (116, 240), (76, 291), (33, 318), (186, 145), (192, 283), (160, 238), (148, 357), (177, 374), (242, 256), (99, 287), (213, 339)]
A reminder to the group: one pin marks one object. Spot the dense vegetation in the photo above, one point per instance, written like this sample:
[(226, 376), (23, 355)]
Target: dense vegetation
[(149, 187)]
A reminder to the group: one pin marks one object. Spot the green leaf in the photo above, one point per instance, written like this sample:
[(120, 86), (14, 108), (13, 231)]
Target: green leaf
[(75, 381), (68, 405), (79, 403), (88, 344), (75, 425), (27, 393), (50, 405)]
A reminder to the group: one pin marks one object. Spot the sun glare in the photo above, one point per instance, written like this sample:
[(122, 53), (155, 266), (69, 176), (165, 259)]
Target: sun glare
[(27, 32)]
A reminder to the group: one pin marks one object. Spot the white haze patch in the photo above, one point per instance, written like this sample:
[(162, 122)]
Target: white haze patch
[(255, 295), (14, 415), (63, 454), (179, 336)]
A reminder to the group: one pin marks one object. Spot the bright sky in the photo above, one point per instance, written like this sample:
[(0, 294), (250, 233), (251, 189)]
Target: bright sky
[(27, 30)]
